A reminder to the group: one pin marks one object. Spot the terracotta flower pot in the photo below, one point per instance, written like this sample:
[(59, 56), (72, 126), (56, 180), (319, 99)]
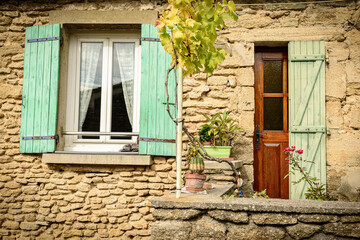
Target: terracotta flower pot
[(195, 182)]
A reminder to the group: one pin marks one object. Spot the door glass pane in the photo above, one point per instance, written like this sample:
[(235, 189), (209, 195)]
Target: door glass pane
[(123, 88), (273, 113), (273, 77), (90, 88)]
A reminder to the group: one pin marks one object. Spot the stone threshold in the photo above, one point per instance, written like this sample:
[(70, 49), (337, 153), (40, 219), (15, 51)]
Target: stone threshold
[(213, 200)]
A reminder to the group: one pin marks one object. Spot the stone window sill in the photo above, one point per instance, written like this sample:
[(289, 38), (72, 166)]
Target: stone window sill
[(131, 159)]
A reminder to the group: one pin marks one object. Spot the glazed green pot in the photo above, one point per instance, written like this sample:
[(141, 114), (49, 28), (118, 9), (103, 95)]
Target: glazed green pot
[(218, 151)]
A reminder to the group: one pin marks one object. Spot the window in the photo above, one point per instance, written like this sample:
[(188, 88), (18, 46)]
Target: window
[(103, 90)]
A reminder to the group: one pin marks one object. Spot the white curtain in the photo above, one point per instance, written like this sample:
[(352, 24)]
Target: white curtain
[(125, 58), (91, 56)]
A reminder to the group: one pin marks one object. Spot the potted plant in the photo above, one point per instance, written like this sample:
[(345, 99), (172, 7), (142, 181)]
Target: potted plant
[(195, 179), (222, 128), (205, 135)]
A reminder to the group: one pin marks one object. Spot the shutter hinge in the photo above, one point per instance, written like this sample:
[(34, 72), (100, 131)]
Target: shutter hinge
[(56, 137), (157, 140), (149, 39), (44, 39)]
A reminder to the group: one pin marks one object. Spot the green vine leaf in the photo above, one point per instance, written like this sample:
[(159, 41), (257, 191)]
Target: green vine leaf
[(193, 25)]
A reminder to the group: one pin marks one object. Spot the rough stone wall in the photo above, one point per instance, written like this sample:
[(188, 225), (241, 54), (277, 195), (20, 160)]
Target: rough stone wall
[(254, 219), (232, 225), (39, 200)]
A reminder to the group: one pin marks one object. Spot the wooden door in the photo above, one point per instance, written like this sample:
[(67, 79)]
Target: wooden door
[(271, 122)]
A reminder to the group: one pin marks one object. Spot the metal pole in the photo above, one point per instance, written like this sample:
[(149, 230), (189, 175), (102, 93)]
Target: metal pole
[(179, 135)]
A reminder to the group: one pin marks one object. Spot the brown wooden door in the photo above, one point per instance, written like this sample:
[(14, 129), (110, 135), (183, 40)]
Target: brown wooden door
[(271, 122)]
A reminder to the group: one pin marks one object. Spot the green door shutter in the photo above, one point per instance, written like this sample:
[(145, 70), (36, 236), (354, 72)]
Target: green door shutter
[(157, 130), (307, 109), (40, 89)]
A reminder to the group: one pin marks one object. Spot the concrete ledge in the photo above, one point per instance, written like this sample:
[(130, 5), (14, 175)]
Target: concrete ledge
[(99, 159), (223, 166), (213, 201), (103, 17)]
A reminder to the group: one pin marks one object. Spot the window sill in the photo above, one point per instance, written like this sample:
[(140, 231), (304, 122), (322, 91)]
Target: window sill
[(132, 159)]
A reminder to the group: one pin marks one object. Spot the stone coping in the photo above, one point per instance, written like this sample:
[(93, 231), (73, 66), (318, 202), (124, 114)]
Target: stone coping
[(213, 200)]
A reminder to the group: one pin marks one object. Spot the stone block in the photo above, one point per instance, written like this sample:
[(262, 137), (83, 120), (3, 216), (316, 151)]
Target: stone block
[(350, 183), (246, 99), (11, 225), (334, 114), (343, 156), (251, 21), (141, 224), (29, 226), (316, 218), (350, 219), (175, 214), (273, 219), (237, 217), (285, 34), (24, 21), (243, 55), (162, 167), (302, 230), (208, 228), (335, 81), (343, 229), (339, 50), (250, 232), (246, 122)]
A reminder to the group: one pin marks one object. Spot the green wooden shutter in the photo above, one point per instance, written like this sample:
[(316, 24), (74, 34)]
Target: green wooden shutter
[(156, 127), (40, 89), (307, 109)]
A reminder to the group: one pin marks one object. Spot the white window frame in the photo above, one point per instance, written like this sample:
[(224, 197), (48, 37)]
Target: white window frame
[(104, 143)]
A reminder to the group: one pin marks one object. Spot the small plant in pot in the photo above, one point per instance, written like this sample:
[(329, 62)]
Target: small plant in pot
[(195, 179), (221, 131)]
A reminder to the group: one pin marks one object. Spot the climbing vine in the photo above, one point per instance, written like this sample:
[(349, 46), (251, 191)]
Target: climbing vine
[(188, 32)]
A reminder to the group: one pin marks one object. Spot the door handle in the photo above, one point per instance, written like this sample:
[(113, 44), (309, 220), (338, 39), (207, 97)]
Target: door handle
[(257, 136)]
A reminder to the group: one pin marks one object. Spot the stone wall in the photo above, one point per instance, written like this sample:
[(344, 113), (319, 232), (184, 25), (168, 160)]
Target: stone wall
[(210, 217), (46, 201)]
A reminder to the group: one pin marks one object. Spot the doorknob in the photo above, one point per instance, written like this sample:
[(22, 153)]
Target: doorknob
[(257, 136)]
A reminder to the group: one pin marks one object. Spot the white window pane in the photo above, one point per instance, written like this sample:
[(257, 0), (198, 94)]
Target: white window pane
[(90, 87), (123, 88)]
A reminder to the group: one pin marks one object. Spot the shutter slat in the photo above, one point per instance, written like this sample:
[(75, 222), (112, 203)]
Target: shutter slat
[(32, 90), (40, 89), (54, 86), (307, 110), (153, 95), (154, 120), (144, 93)]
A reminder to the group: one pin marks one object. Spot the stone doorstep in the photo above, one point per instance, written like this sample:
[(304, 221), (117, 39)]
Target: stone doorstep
[(224, 166), (99, 159), (213, 200)]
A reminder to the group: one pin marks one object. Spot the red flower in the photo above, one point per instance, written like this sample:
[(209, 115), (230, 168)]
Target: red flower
[(293, 147), (300, 151), (287, 149), (287, 160)]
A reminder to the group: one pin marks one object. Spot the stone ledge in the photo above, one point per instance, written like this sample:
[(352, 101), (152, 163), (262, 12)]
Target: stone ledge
[(103, 17), (213, 201), (223, 166), (99, 159)]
